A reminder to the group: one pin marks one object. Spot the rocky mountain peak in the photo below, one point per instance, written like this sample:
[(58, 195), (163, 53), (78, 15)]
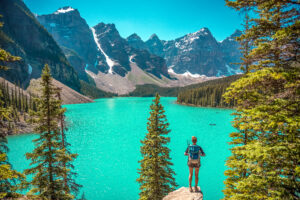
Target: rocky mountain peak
[(237, 33), (107, 29), (74, 36), (134, 36), (154, 37), (155, 45), (136, 42), (203, 32), (232, 37)]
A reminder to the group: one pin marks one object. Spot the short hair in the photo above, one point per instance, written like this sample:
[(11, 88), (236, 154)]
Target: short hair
[(194, 139)]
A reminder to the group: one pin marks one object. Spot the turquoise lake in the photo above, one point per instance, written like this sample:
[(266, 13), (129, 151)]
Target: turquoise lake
[(106, 135)]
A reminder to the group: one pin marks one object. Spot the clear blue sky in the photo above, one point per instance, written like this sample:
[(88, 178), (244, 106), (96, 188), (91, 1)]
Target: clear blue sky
[(169, 19)]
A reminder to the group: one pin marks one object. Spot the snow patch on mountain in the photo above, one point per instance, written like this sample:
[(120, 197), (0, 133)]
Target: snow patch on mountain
[(109, 61), (130, 58), (64, 10), (185, 74)]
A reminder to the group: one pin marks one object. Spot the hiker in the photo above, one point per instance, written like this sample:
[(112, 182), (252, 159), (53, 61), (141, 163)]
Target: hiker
[(194, 152)]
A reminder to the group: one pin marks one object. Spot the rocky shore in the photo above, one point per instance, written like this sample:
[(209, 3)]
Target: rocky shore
[(183, 193)]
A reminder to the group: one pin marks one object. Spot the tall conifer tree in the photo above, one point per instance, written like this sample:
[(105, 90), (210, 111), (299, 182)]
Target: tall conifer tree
[(268, 101), (48, 157), (156, 176)]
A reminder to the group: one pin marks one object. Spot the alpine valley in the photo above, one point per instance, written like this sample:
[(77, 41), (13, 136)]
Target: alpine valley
[(89, 59)]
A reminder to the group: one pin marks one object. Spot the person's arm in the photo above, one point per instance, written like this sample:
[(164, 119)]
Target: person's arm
[(186, 153), (202, 152)]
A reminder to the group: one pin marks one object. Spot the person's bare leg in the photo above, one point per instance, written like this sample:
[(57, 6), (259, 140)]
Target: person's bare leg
[(191, 178), (196, 178)]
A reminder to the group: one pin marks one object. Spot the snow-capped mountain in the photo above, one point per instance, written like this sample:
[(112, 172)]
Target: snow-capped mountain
[(100, 52), (196, 53), (74, 36)]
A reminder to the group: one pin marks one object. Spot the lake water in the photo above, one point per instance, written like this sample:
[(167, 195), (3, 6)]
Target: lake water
[(106, 135)]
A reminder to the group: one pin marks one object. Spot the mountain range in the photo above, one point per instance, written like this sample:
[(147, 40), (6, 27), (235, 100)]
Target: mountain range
[(100, 57)]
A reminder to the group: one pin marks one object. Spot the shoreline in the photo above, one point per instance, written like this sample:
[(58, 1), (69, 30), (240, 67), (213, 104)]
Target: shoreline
[(25, 128), (193, 105)]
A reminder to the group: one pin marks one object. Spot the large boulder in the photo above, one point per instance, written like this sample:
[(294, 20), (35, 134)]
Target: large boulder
[(184, 193)]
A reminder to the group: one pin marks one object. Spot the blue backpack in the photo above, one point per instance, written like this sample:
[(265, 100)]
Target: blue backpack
[(194, 151)]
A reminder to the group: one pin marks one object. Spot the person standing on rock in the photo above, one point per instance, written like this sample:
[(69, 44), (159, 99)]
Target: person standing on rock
[(194, 152)]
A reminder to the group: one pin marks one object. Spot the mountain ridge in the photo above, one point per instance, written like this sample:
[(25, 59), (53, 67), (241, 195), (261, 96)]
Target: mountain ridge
[(34, 45)]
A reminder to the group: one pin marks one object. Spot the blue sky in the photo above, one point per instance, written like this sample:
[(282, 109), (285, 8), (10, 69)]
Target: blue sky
[(169, 19)]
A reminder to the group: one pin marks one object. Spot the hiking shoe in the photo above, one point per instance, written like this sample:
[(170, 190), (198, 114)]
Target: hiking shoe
[(196, 189), (191, 189)]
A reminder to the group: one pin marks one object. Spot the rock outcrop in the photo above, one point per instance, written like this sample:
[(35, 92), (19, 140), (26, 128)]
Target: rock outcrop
[(184, 194)]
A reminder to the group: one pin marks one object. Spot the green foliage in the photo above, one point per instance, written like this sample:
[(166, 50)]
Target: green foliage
[(16, 98), (266, 148), (208, 93), (92, 91), (8, 177), (50, 159), (156, 176), (6, 57)]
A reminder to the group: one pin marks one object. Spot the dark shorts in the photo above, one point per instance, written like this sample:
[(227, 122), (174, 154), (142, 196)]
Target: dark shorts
[(194, 165)]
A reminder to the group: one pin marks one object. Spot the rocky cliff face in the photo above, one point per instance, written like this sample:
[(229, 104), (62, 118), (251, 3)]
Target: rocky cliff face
[(100, 48), (119, 53), (196, 53), (22, 35), (113, 47), (136, 42), (155, 45), (232, 54), (72, 33)]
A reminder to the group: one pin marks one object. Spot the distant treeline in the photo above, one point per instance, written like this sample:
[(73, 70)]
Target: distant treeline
[(93, 92), (208, 93), (16, 98)]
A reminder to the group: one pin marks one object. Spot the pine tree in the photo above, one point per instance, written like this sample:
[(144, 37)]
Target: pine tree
[(69, 176), (9, 178), (266, 166), (48, 156), (156, 176)]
